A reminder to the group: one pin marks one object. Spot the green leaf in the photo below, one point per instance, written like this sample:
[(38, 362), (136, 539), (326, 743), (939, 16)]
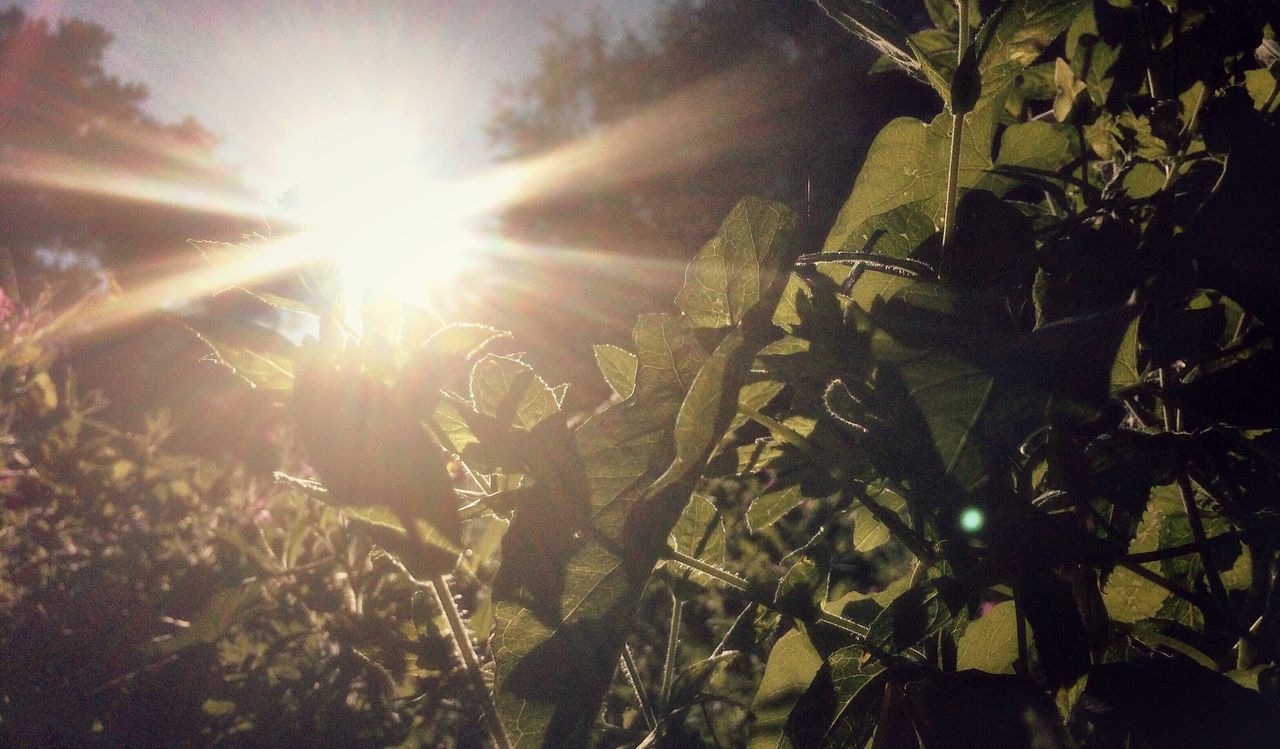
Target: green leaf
[(990, 642), (733, 270), (259, 355), (463, 340), (1128, 597), (619, 369), (803, 586), (368, 447), (677, 414), (907, 165), (839, 707), (868, 532), (875, 26), (768, 508), (793, 663), (509, 390), (1126, 372), (692, 681), (1015, 35), (921, 611), (700, 520)]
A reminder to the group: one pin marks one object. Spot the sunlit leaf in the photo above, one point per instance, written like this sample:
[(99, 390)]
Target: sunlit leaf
[(990, 642), (619, 369), (738, 266), (793, 663), (512, 392), (838, 709)]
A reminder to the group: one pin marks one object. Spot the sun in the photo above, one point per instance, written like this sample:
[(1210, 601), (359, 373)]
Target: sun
[(368, 205)]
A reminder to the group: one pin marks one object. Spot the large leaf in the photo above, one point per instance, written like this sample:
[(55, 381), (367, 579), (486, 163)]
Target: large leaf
[(876, 26), (793, 663), (259, 355), (907, 163), (510, 391), (1174, 703), (990, 643), (921, 611), (839, 707), (738, 266), (367, 445), (907, 166)]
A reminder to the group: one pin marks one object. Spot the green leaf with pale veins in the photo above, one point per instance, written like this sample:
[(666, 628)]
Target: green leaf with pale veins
[(511, 391), (907, 166), (736, 268), (1126, 371), (618, 367), (259, 355), (793, 662), (990, 643)]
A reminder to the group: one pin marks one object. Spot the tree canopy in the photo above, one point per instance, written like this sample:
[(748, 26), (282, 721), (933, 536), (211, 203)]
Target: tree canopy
[(85, 170)]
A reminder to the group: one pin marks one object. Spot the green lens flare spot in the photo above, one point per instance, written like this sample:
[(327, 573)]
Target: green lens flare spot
[(971, 520)]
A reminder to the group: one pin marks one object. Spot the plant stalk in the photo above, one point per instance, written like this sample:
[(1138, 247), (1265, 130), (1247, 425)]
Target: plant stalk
[(742, 587), (673, 644), (957, 135), (462, 641), (637, 686)]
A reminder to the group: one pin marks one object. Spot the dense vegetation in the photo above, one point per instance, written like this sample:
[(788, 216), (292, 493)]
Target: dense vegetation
[(995, 466)]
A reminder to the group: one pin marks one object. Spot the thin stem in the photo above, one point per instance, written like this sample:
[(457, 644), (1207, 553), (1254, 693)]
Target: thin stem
[(1181, 550), (1020, 622), (711, 726), (633, 676), (1189, 596), (907, 536), (462, 641), (957, 134), (673, 645), (1216, 587)]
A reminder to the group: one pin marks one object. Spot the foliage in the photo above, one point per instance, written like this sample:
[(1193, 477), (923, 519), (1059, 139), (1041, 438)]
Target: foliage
[(153, 598), (996, 467)]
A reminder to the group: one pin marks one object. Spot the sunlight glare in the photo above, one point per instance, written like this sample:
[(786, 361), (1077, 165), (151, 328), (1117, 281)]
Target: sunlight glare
[(369, 206)]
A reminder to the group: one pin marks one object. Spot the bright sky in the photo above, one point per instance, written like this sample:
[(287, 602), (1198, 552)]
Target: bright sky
[(254, 71), (375, 109)]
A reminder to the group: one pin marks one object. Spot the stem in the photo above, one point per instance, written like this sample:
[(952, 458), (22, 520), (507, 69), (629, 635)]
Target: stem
[(742, 587), (642, 697), (462, 641), (711, 726), (907, 536), (957, 133), (1190, 597), (1200, 547), (1216, 587), (673, 643), (1020, 621)]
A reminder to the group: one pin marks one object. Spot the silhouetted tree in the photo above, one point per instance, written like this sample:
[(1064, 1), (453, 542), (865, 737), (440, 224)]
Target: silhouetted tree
[(84, 171)]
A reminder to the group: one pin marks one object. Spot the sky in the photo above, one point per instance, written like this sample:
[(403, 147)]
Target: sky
[(261, 73)]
